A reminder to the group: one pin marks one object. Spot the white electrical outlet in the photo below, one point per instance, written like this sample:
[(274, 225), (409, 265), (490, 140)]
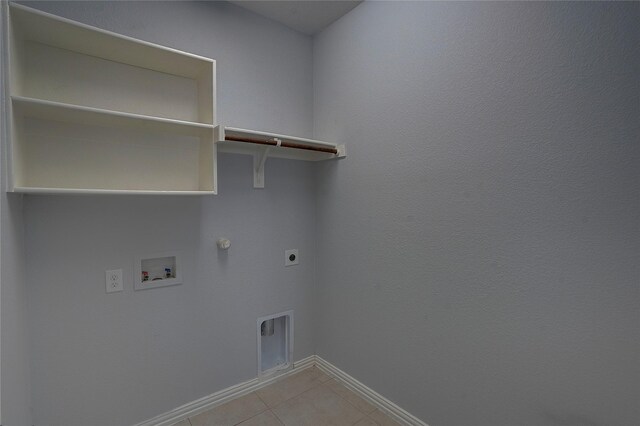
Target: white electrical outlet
[(291, 257), (114, 280)]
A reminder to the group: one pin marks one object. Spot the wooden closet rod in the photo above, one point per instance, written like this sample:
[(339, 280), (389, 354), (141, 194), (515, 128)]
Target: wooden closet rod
[(272, 142)]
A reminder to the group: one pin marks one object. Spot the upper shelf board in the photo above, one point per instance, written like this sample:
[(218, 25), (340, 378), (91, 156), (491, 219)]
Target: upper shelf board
[(64, 33)]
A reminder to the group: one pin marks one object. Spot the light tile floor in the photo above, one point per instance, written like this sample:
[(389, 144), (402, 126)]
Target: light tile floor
[(308, 398)]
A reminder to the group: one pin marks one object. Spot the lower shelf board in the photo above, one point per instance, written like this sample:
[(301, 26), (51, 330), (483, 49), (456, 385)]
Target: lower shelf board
[(59, 111), (89, 191)]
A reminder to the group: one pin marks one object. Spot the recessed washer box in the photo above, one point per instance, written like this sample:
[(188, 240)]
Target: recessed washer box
[(160, 270)]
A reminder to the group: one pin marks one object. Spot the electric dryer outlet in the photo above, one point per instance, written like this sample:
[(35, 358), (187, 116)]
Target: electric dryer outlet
[(291, 257)]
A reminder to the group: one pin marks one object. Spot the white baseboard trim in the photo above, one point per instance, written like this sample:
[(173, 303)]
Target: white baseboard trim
[(208, 402), (380, 402)]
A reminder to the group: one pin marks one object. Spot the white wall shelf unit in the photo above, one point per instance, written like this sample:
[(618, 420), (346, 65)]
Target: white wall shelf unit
[(96, 112), (262, 145)]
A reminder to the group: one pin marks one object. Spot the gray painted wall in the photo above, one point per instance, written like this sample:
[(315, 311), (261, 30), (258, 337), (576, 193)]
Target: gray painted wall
[(101, 359), (478, 253), (15, 391)]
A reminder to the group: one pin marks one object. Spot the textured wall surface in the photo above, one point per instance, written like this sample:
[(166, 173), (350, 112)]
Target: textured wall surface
[(477, 251), (479, 248), (117, 359), (15, 392), (15, 386)]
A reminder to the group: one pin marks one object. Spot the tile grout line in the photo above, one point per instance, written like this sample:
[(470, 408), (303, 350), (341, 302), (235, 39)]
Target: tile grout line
[(221, 397), (262, 400), (296, 395), (319, 383), (255, 415), (277, 418), (366, 416), (382, 404)]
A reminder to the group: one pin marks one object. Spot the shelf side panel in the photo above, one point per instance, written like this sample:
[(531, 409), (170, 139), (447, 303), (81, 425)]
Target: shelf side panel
[(207, 165), (6, 77), (206, 95)]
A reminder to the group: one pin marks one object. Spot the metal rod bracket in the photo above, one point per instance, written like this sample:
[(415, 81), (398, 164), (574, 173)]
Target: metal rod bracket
[(259, 158)]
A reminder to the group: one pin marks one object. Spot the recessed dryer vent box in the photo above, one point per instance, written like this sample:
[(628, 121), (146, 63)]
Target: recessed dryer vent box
[(158, 270), (275, 344)]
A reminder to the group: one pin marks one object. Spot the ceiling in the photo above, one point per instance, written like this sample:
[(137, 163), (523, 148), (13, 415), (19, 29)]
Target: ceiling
[(306, 16)]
